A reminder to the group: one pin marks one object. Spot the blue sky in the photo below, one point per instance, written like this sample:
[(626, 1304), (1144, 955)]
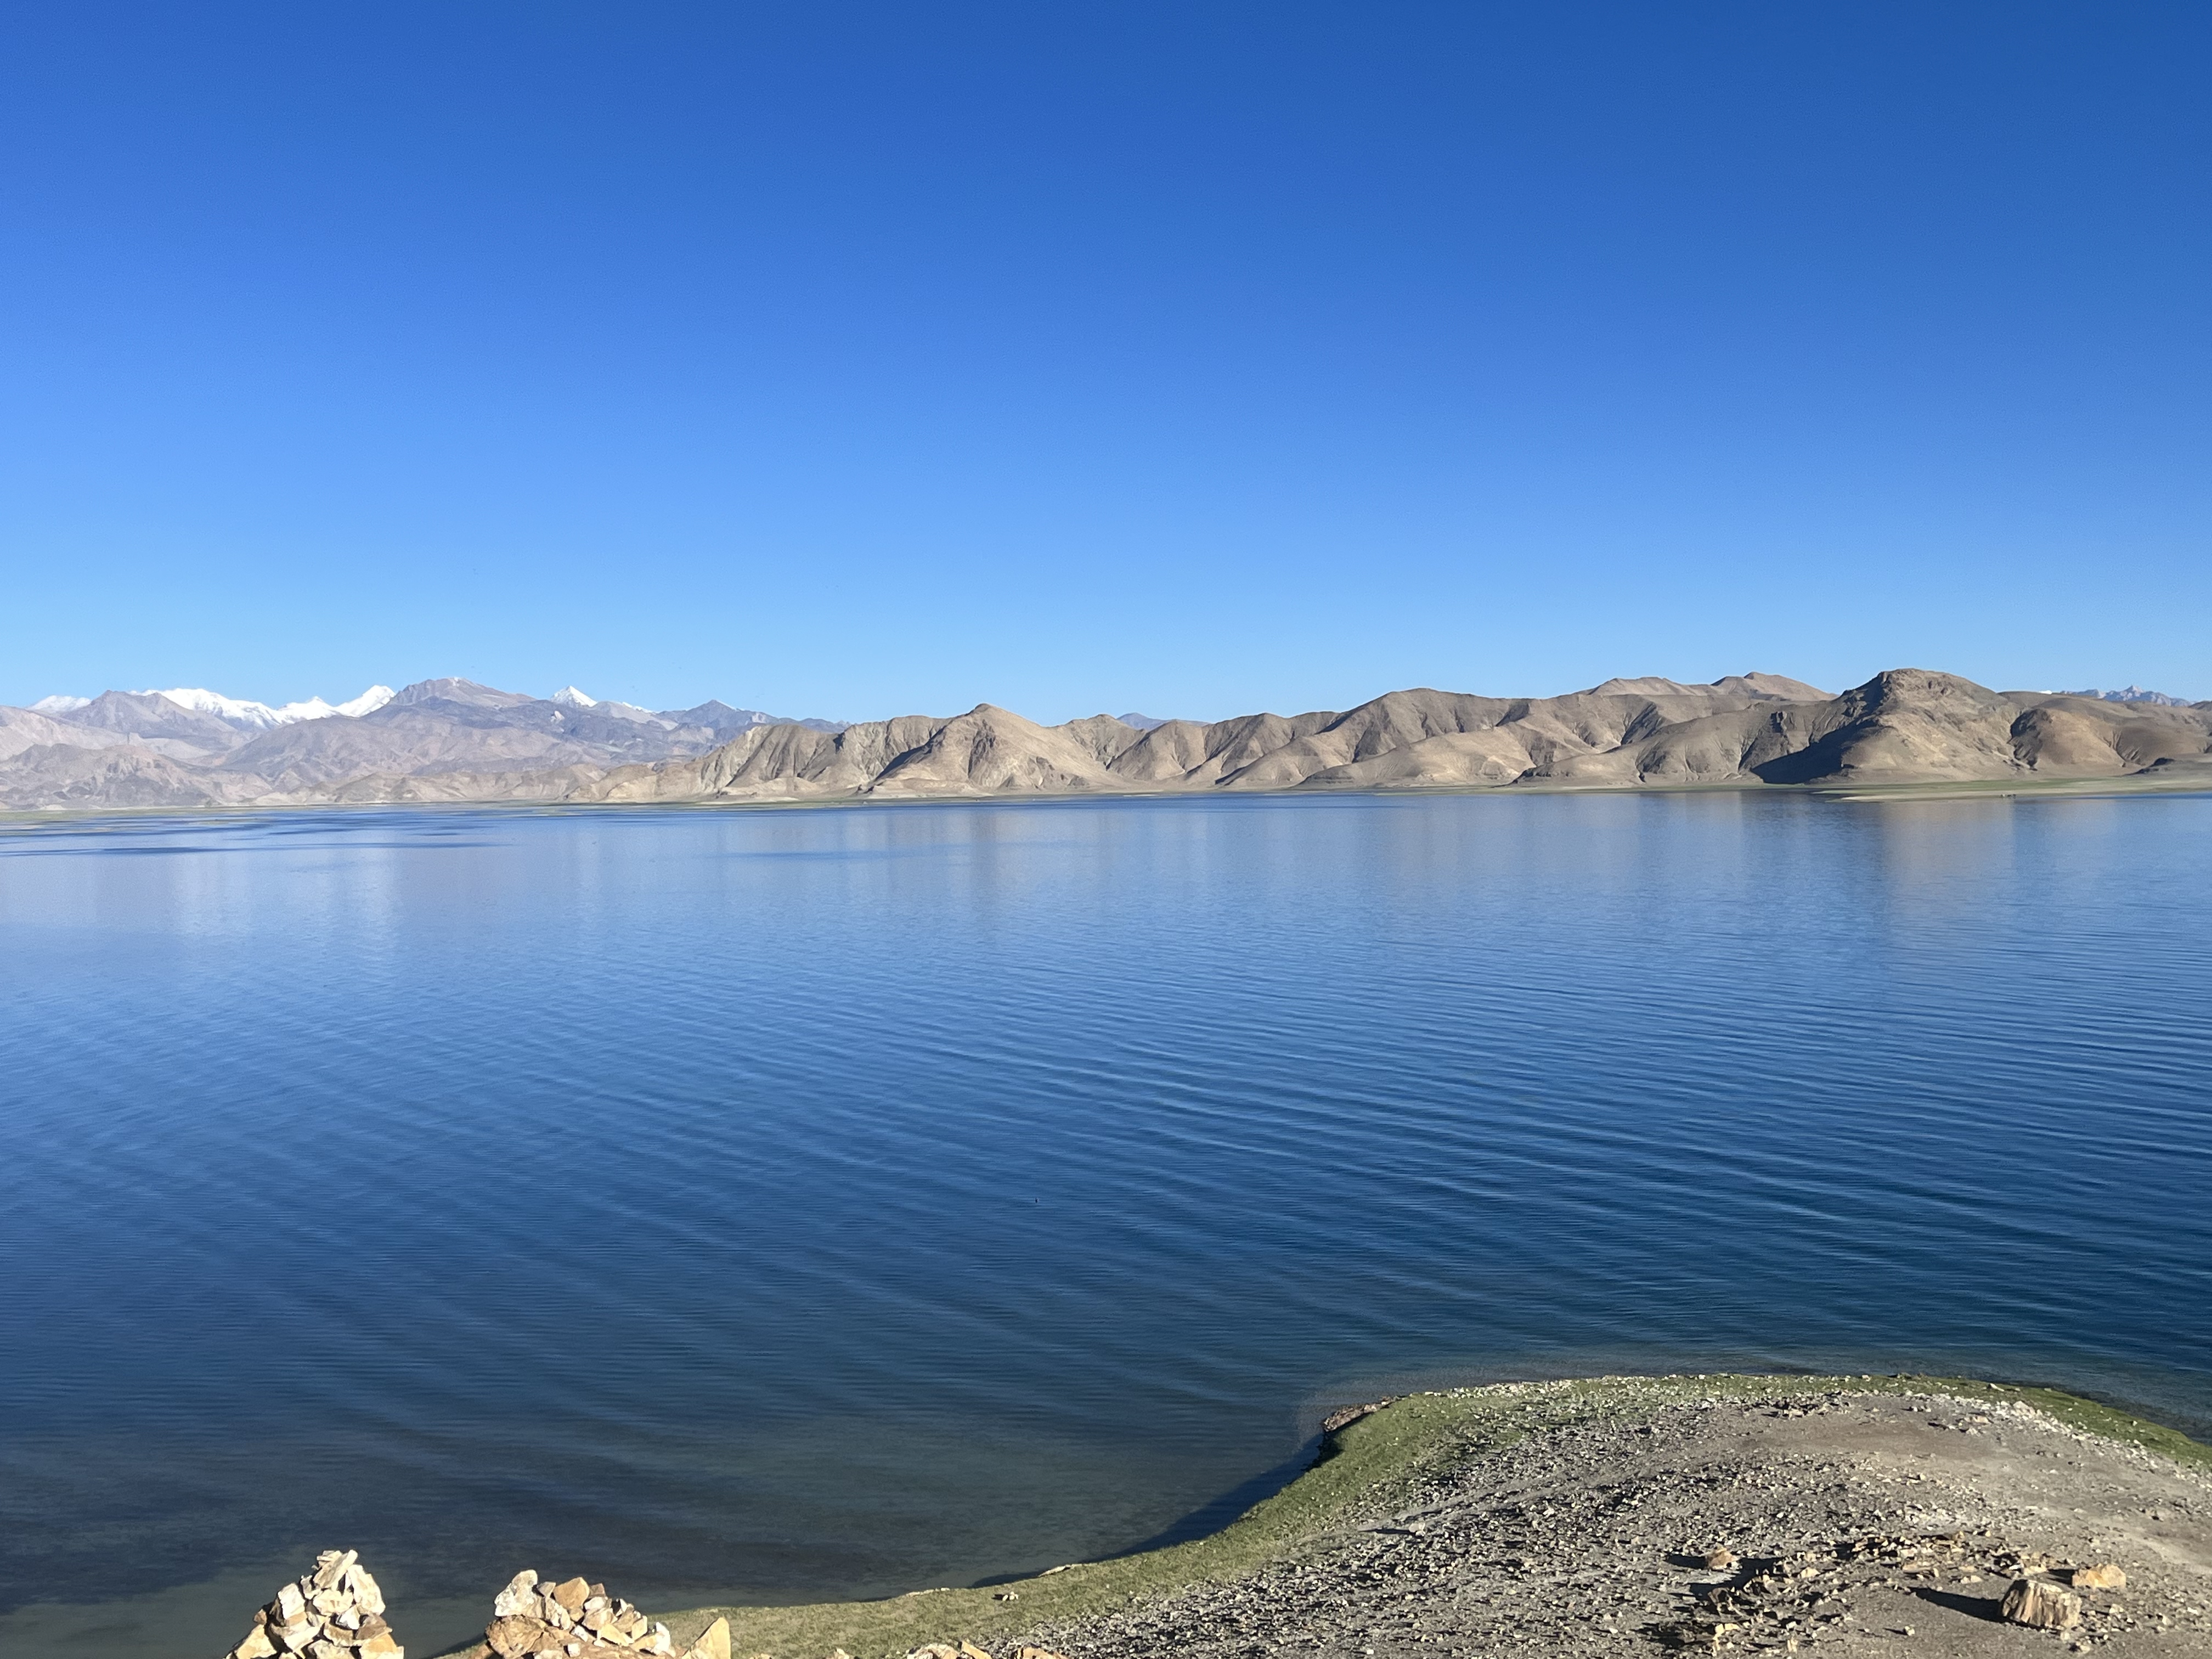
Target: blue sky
[(853, 360)]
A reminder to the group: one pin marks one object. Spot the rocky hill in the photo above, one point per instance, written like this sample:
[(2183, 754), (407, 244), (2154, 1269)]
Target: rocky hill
[(454, 740)]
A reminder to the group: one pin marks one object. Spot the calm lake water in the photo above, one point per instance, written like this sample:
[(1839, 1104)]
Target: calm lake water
[(790, 1204)]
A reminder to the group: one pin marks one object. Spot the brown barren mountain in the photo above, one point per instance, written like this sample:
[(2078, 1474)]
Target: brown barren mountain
[(453, 740)]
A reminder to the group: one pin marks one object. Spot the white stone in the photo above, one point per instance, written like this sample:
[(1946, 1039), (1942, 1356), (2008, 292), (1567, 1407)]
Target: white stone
[(521, 1596)]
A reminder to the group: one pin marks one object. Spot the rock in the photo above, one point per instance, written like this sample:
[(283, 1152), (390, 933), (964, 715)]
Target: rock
[(572, 1595), (521, 1596), (516, 1634), (333, 1611), (1721, 1560), (2044, 1606), (1344, 1416), (969, 1651), (934, 1651), (1028, 1653), (2106, 1576), (714, 1642)]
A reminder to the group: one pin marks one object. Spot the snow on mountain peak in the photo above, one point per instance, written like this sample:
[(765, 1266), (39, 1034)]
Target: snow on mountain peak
[(59, 705), (569, 697), (240, 711), (2131, 694), (235, 710), (366, 704)]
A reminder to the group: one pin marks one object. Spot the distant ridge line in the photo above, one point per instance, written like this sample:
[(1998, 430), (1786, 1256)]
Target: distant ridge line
[(454, 739)]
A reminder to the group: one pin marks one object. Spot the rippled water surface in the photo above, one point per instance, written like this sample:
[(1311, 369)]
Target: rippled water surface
[(785, 1204)]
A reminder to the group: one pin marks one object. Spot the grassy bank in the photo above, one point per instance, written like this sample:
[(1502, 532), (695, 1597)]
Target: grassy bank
[(1359, 1469)]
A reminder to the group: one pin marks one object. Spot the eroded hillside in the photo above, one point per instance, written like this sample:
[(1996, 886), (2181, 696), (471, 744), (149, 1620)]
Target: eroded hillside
[(450, 741)]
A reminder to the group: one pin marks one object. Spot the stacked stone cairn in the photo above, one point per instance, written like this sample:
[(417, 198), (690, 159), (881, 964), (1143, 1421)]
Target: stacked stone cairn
[(536, 1619), (335, 1612)]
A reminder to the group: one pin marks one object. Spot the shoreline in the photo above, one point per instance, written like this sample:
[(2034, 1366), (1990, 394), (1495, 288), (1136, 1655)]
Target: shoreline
[(2197, 781), (1372, 1460)]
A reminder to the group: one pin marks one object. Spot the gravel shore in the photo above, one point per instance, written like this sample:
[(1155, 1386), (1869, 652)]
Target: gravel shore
[(1634, 1515), (1866, 1523)]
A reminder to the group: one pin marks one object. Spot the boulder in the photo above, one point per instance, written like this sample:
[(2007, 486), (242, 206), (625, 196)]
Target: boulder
[(572, 1595), (294, 1637), (2044, 1606), (518, 1633), (521, 1596), (330, 1567), (714, 1642), (357, 1583)]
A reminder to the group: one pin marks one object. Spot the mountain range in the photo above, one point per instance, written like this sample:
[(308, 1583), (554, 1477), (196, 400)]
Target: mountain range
[(455, 740)]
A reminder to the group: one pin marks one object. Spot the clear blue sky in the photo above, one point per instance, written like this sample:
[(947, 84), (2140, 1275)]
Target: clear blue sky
[(852, 360)]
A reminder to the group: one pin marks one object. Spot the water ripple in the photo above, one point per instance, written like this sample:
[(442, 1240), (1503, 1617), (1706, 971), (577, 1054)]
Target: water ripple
[(700, 1197)]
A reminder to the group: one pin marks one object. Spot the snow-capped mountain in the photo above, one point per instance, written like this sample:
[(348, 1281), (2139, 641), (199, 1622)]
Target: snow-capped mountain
[(188, 745), (2131, 694), (569, 697), (258, 716)]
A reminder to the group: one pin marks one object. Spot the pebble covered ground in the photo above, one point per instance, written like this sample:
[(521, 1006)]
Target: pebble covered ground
[(1844, 1522)]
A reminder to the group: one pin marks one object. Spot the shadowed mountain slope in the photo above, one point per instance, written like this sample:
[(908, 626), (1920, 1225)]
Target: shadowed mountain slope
[(454, 740), (26, 729)]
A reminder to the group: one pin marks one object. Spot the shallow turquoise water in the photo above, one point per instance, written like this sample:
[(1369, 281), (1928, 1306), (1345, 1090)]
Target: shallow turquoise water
[(839, 1201)]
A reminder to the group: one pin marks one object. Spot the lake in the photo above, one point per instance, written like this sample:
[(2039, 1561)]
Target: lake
[(790, 1204)]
